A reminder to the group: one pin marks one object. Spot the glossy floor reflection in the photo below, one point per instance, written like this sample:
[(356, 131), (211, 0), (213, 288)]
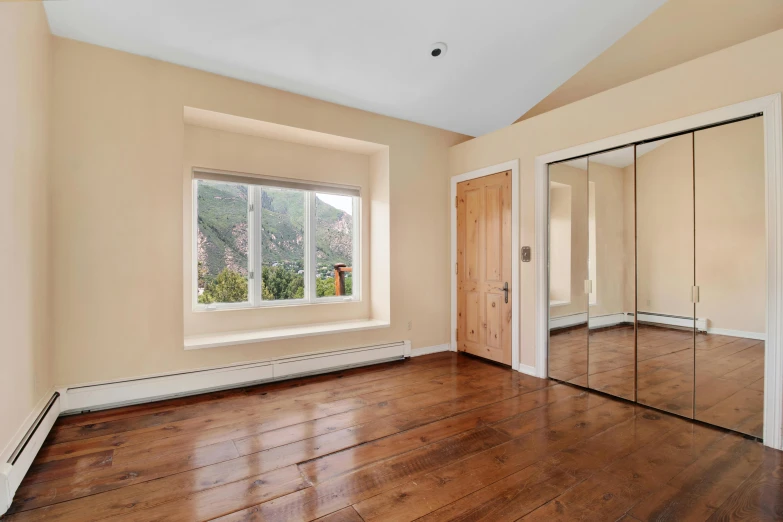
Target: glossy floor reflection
[(438, 437)]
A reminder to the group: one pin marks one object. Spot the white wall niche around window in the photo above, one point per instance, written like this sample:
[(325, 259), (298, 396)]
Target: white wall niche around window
[(308, 161), (264, 241)]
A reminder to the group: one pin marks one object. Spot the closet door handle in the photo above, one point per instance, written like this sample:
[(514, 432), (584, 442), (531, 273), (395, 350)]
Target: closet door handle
[(695, 294), (505, 290)]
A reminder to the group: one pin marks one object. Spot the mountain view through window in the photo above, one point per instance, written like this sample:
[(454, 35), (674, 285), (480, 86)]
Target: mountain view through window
[(223, 244)]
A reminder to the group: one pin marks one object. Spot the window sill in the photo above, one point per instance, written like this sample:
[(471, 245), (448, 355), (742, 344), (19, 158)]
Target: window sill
[(197, 342), (223, 307), (559, 303)]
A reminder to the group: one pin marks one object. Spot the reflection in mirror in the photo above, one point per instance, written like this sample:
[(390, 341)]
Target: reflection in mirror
[(731, 275), (568, 252), (611, 271), (664, 257)]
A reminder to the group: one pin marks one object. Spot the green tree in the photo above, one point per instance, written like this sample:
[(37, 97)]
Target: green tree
[(282, 283), (228, 287), (266, 295), (202, 275), (324, 287)]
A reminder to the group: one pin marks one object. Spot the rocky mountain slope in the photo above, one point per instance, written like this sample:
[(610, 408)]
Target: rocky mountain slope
[(223, 229)]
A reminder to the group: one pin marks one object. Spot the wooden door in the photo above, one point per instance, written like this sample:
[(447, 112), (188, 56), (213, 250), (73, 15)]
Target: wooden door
[(484, 267)]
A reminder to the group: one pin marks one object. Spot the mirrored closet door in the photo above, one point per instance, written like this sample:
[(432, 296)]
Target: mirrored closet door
[(730, 255), (568, 271), (665, 274), (657, 273), (610, 283)]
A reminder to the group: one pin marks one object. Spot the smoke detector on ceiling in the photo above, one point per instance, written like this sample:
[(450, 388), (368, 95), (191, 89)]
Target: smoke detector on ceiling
[(438, 50)]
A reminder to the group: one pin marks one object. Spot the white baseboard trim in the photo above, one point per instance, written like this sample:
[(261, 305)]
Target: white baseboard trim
[(565, 321), (738, 333), (669, 320), (76, 399), (612, 319), (701, 324), (13, 470), (527, 369), (594, 322), (609, 320), (426, 350)]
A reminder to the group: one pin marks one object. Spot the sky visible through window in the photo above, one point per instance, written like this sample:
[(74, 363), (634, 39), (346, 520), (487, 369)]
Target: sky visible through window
[(340, 202)]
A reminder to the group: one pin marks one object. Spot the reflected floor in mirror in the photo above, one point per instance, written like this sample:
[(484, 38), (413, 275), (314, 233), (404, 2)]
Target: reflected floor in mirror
[(568, 354), (729, 372), (612, 360)]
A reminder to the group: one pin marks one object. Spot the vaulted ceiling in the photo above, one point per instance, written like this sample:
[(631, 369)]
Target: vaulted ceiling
[(503, 56), (681, 30)]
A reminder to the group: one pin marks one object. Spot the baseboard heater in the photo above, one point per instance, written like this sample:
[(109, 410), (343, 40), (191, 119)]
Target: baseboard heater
[(608, 320), (594, 322), (671, 320), (14, 469), (78, 399)]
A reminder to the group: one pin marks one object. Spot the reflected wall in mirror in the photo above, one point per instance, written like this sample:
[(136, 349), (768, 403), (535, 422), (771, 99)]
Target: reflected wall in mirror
[(665, 266), (731, 255), (611, 273), (568, 253)]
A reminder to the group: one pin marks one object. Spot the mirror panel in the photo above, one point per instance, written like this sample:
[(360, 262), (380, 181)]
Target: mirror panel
[(664, 257), (568, 251), (611, 273), (731, 254)]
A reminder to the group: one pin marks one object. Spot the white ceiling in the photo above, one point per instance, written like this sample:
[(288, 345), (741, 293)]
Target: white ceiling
[(503, 55)]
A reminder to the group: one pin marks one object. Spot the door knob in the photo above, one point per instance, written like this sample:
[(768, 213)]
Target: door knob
[(505, 290)]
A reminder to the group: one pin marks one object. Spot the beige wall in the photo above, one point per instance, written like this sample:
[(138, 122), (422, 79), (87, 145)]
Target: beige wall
[(576, 179), (629, 239), (731, 242), (610, 247), (729, 252), (664, 214), (735, 74), (727, 208), (209, 148), (24, 256), (608, 209), (560, 242), (701, 27), (117, 155)]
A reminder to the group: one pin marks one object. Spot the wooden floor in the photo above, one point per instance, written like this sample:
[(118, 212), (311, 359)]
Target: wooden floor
[(728, 371), (438, 437)]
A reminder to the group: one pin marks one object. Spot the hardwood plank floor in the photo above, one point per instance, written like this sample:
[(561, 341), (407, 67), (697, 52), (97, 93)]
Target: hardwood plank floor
[(438, 437)]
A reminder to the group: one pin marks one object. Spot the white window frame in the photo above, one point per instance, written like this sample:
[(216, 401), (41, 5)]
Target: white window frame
[(255, 255)]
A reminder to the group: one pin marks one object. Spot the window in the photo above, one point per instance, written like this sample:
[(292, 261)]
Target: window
[(266, 241), (223, 256), (559, 243), (334, 240)]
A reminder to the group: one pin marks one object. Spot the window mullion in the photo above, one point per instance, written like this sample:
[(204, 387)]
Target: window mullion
[(255, 244), (356, 276), (310, 248)]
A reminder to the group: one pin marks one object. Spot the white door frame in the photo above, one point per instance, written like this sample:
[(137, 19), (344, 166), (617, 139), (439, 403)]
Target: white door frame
[(513, 166), (770, 107)]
